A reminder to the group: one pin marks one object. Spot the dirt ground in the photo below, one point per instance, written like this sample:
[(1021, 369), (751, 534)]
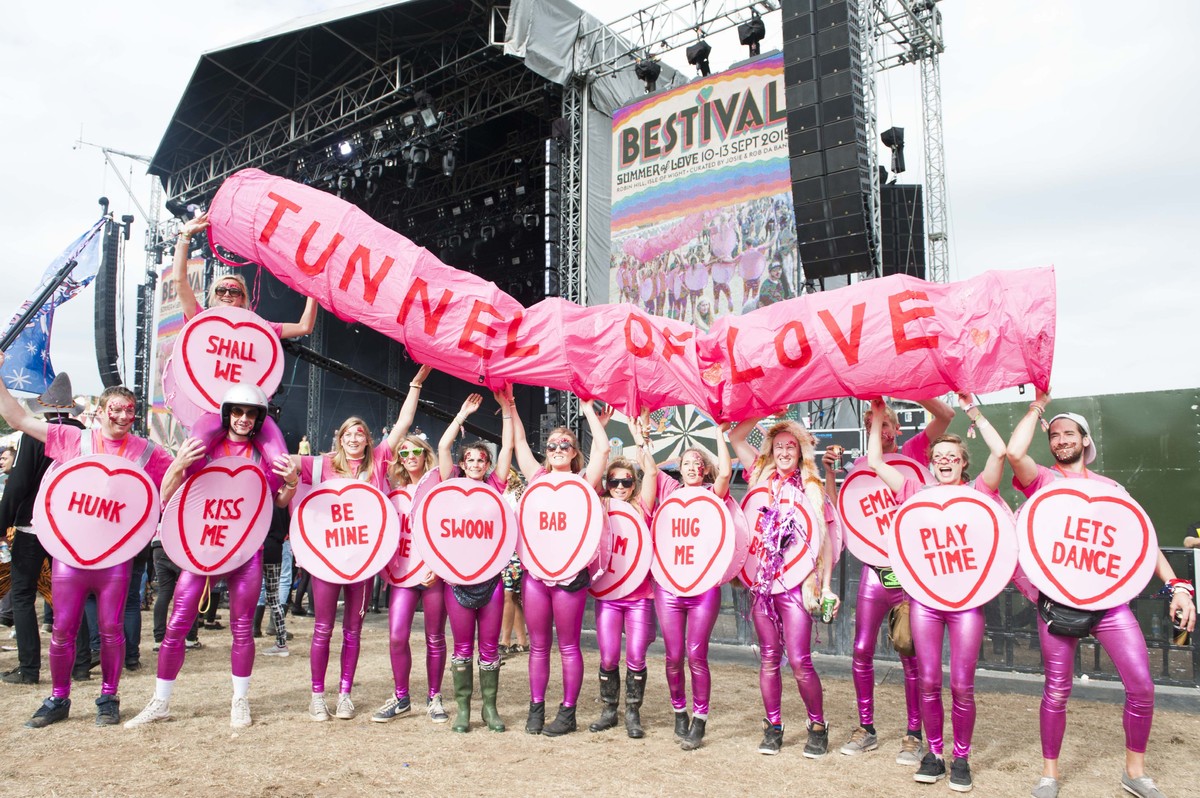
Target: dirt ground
[(286, 754)]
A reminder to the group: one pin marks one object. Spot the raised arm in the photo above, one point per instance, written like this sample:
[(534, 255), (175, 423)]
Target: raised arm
[(598, 456), (504, 459), (17, 416), (942, 414), (890, 475), (190, 452), (408, 410), (993, 469), (830, 462), (179, 266), (739, 439), (639, 429), (724, 463), (1023, 466), (526, 461), (446, 444), (303, 327)]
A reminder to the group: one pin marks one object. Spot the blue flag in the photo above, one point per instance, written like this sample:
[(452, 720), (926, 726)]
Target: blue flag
[(27, 364)]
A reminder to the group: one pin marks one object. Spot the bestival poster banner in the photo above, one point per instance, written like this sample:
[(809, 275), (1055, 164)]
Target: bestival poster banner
[(701, 198), (164, 428)]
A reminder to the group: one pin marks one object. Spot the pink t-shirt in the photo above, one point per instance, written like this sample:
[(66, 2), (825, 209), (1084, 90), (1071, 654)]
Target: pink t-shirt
[(380, 455), (223, 447), (492, 479), (1047, 475), (911, 487), (916, 447), (62, 444)]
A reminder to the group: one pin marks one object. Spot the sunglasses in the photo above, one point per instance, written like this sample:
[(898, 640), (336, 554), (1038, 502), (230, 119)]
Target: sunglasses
[(410, 452), (228, 290), (623, 482), (561, 446), (238, 412)]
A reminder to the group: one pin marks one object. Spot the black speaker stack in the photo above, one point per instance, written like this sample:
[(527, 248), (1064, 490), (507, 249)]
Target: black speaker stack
[(902, 223)]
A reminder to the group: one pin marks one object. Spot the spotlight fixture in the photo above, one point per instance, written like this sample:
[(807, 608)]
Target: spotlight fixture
[(751, 33), (697, 56), (448, 163), (345, 149), (893, 139), (420, 154), (410, 179), (429, 117), (648, 71)]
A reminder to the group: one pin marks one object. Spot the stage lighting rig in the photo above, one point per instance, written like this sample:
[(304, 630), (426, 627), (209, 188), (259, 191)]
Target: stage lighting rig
[(648, 71), (751, 33), (893, 139), (697, 56)]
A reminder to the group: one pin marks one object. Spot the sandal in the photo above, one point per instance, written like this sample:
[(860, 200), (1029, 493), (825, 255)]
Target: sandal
[(518, 649)]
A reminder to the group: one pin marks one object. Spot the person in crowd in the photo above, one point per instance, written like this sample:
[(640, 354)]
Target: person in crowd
[(948, 460), (56, 405), (785, 465), (687, 621), (555, 610), (476, 610), (878, 592), (64, 442), (228, 290), (1117, 632), (412, 459), (243, 411), (633, 614), (269, 597), (513, 622), (304, 446)]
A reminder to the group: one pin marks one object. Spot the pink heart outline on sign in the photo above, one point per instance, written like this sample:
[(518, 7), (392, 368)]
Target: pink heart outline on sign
[(207, 320), (877, 542), (77, 468), (661, 513), (212, 471), (441, 492), (749, 569), (1070, 494), (637, 554), (377, 527), (394, 568), (911, 506), (589, 498)]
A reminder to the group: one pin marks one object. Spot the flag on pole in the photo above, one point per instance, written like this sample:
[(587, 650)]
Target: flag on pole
[(27, 364)]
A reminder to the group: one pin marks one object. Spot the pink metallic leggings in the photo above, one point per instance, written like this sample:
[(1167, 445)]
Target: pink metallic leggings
[(797, 627), (1118, 632), (463, 622), (966, 633), (551, 612), (70, 591), (325, 596), (244, 583), (401, 608), (874, 603), (633, 616), (687, 624)]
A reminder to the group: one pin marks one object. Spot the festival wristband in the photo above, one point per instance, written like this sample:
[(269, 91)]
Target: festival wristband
[(1182, 584)]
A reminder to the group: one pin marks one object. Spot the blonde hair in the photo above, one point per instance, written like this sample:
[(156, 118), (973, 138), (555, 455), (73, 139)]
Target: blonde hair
[(627, 464), (397, 474), (577, 460), (237, 278), (338, 454), (891, 415)]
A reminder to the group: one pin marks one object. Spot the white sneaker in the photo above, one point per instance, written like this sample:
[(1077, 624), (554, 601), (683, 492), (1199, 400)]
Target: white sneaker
[(192, 644), (437, 713), (912, 750), (345, 707), (276, 650), (155, 711), (317, 709), (239, 713)]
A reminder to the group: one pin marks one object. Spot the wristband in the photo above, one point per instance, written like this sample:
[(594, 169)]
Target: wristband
[(416, 385), (291, 485), (1181, 584)]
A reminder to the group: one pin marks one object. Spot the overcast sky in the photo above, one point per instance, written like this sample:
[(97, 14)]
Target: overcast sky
[(1061, 123)]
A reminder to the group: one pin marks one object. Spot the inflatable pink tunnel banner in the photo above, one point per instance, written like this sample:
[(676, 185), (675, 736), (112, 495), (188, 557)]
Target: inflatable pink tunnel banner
[(897, 335)]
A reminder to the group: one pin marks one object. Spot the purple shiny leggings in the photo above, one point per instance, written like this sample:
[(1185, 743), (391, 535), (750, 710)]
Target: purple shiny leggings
[(463, 621), (635, 617), (244, 583), (796, 639), (687, 624), (874, 603), (1118, 632), (401, 608), (71, 587), (550, 612), (325, 596), (966, 633)]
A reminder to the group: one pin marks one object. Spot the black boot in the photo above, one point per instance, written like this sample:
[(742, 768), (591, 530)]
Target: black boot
[(610, 694), (695, 734), (635, 690), (258, 616), (563, 723), (537, 717), (681, 725)]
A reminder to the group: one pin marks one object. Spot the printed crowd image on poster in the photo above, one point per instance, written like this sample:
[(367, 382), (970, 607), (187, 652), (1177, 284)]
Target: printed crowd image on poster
[(702, 217), (164, 429)]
